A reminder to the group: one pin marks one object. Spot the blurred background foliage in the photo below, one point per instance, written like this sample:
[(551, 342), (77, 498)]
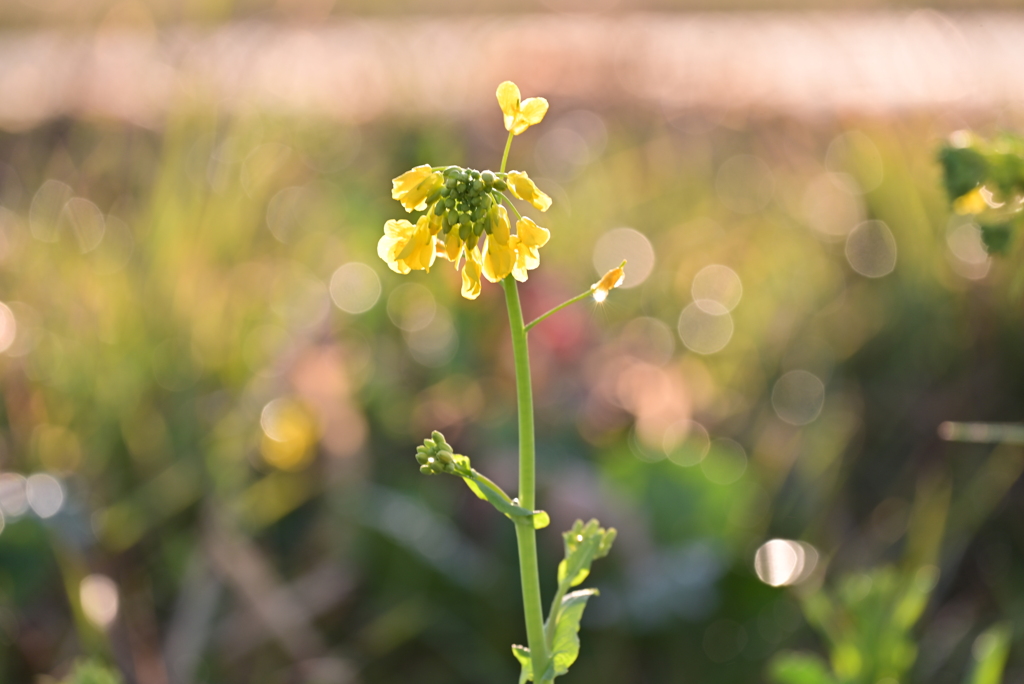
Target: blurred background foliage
[(213, 388)]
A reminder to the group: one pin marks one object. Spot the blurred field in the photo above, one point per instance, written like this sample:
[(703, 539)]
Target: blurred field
[(214, 388)]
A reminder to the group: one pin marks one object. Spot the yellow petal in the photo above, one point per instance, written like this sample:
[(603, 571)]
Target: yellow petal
[(497, 261), (471, 275), (525, 189), (501, 228), (971, 203), (409, 180), (453, 247), (398, 228), (608, 282), (533, 109), (531, 234), (508, 100)]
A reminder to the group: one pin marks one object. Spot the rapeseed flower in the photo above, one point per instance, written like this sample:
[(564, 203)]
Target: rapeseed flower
[(471, 275), (414, 186), (608, 282), (519, 114), (465, 220), (498, 261), (523, 187), (406, 247)]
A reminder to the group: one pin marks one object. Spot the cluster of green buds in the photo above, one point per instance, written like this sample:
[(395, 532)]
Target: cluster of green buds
[(436, 456), (465, 203)]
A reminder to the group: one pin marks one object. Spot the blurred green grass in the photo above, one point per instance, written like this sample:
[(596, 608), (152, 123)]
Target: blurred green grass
[(179, 315)]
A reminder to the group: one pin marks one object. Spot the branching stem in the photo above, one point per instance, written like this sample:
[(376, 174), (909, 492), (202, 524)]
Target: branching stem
[(538, 319)]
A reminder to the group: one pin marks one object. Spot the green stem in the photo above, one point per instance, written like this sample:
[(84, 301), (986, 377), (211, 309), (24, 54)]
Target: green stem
[(538, 319), (504, 157), (505, 197), (525, 534)]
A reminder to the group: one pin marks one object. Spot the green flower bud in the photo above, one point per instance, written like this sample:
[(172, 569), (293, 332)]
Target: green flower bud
[(450, 203), (464, 231), (439, 208), (487, 177), (500, 185)]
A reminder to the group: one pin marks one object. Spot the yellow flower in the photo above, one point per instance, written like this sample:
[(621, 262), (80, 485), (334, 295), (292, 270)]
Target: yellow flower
[(971, 203), (413, 187), (498, 260), (531, 234), (608, 282), (519, 114), (501, 228), (525, 189), (471, 275), (453, 247), (406, 247), (526, 244)]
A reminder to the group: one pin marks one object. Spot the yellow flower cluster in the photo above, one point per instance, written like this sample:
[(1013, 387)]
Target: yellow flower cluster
[(465, 218)]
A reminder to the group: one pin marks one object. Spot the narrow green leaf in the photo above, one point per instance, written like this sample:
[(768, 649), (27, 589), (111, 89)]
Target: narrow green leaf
[(522, 654), (990, 651), (800, 668), (566, 644), (475, 488)]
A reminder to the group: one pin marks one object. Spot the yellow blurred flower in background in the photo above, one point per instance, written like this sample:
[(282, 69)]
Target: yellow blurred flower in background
[(519, 114)]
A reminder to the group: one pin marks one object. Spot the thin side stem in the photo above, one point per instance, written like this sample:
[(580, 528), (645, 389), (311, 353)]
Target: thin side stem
[(504, 157), (525, 534), (553, 612), (538, 319)]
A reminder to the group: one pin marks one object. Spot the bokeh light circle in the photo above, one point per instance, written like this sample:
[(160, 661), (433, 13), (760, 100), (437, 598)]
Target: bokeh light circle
[(706, 328), (355, 287), (798, 397), (45, 494), (98, 596), (686, 443), (716, 287), (725, 462), (782, 562), (871, 249), (628, 244), (8, 327), (411, 307)]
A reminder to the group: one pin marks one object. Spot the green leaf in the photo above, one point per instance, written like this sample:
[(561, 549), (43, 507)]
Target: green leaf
[(964, 169), (566, 644), (800, 668), (541, 520), (522, 654), (990, 651), (92, 672), (583, 544), (997, 237), (475, 488)]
